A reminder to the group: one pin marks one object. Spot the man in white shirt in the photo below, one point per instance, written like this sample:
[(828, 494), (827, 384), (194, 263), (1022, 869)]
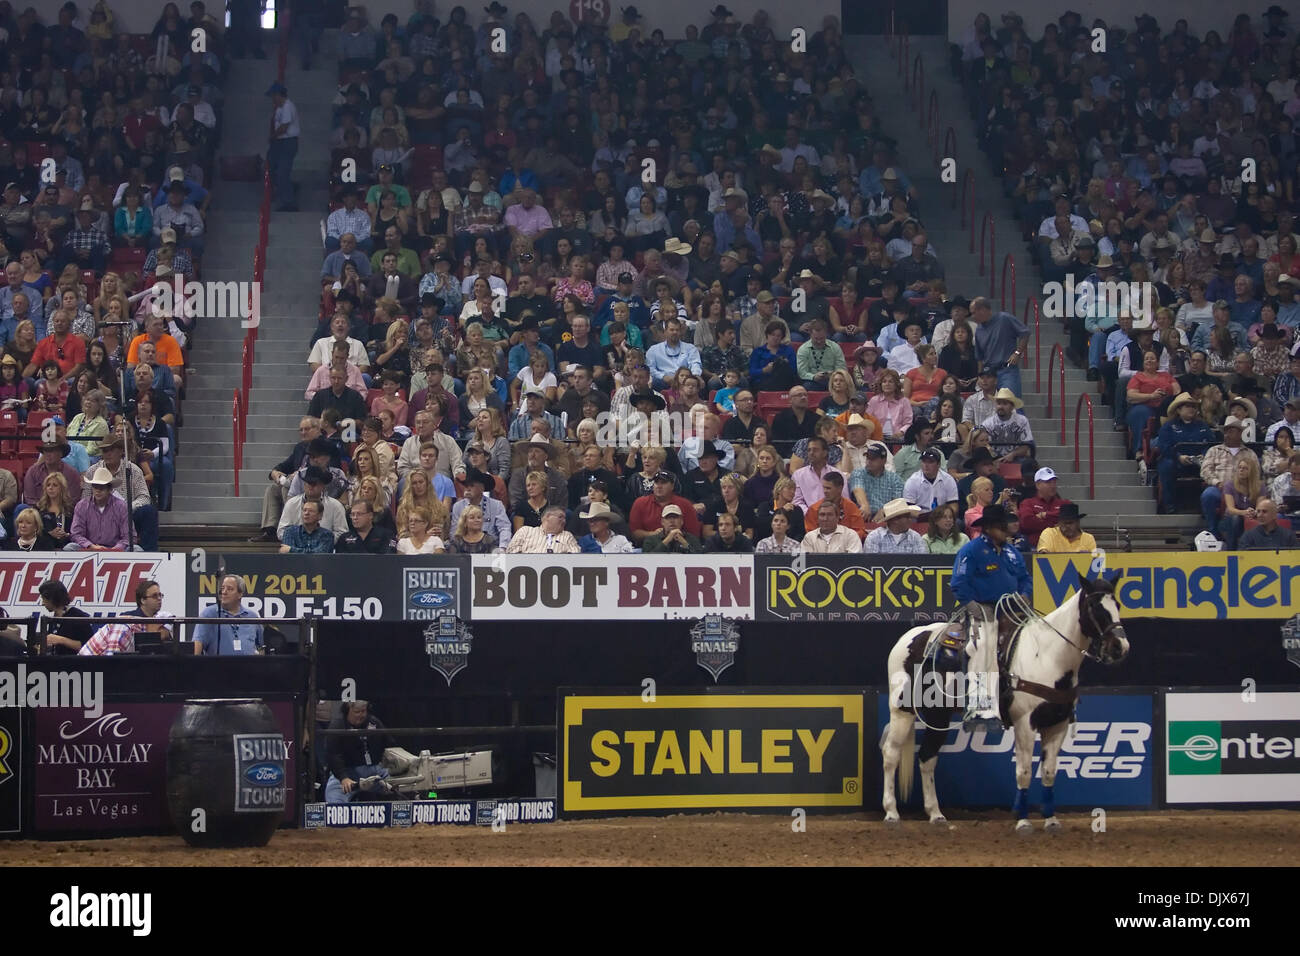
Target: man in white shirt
[(283, 147), (931, 486), (831, 537), (902, 358), (322, 352), (495, 520), (450, 460), (334, 518), (597, 517)]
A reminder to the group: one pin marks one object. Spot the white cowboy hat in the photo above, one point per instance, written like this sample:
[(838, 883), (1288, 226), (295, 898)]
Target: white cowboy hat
[(101, 477), (675, 246), (1006, 395), (595, 509), (1183, 398), (897, 508)]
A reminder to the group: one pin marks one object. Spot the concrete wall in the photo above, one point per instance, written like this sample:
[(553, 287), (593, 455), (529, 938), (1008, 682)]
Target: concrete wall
[(139, 16)]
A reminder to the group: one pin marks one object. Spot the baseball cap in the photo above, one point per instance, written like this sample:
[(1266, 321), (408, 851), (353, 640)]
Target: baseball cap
[(1044, 474), (988, 370), (671, 510), (664, 476), (932, 454)]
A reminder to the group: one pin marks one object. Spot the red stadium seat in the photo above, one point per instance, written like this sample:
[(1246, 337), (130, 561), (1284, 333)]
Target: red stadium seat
[(16, 467), (1009, 471), (849, 349), (10, 430)]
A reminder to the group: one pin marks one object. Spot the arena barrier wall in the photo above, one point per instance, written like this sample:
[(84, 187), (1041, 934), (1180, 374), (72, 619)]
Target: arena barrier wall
[(67, 774), (742, 749), (99, 582), (1182, 585)]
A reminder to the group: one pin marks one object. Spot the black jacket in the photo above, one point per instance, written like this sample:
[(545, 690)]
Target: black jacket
[(344, 754)]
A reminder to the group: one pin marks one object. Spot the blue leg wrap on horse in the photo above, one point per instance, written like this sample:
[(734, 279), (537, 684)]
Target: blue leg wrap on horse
[(1021, 806), (1049, 802)]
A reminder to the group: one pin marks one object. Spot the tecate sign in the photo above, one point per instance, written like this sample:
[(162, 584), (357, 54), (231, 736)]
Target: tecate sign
[(1106, 761), (1223, 749)]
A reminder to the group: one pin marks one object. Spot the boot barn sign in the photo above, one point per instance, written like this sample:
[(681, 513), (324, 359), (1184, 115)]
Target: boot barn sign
[(511, 587)]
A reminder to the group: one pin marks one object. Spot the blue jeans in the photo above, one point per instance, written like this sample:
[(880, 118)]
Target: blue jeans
[(1227, 528), (1167, 468), (1097, 349), (280, 154), (1137, 419), (334, 787), (146, 527), (1009, 377)]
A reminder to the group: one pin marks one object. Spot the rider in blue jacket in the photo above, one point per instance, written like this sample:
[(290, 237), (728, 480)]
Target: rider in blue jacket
[(986, 568)]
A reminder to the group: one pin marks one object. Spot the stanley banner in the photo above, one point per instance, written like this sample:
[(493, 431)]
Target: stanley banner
[(1202, 586), (818, 587), (731, 751)]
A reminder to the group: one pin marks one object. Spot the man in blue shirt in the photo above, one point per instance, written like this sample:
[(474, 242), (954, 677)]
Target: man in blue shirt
[(987, 568), (1000, 341), (1184, 426), (665, 358), (228, 638)]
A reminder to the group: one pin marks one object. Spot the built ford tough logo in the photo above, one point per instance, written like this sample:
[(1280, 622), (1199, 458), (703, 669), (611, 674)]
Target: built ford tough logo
[(264, 775)]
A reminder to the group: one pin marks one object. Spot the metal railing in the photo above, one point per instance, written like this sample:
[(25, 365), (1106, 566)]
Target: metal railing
[(932, 121), (248, 356), (918, 84), (237, 443), (1009, 260), (1038, 341), (1085, 399), (991, 230), (1051, 364)]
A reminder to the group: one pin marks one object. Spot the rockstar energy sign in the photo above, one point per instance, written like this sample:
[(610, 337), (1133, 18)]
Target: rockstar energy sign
[(710, 752), (851, 588)]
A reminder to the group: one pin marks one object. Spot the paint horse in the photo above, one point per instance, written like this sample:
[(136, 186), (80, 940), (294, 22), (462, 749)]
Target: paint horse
[(1040, 685)]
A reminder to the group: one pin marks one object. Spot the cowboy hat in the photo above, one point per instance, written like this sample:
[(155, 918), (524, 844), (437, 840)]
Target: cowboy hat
[(993, 516), (636, 398), (897, 508), (101, 478), (857, 421), (867, 346), (1105, 262), (1183, 398), (1232, 421), (675, 247), (1209, 235), (542, 442), (596, 509), (1238, 400), (1006, 395), (1070, 510), (473, 476)]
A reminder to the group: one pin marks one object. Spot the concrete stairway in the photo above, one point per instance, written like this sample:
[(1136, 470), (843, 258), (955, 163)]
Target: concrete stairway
[(205, 482), (1120, 506)]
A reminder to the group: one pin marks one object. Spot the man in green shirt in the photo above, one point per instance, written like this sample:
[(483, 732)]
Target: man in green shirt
[(386, 184), (817, 358), (908, 459), (408, 261), (672, 539)]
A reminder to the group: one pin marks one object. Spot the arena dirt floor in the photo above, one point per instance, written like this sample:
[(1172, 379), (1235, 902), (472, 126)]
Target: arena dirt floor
[(1183, 838)]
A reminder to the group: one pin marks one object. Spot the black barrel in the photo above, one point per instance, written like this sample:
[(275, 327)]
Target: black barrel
[(226, 758)]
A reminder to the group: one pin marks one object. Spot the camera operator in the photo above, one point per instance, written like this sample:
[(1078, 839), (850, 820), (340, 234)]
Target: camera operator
[(353, 757)]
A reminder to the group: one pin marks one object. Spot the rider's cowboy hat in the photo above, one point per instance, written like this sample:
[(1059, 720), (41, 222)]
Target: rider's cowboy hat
[(897, 508)]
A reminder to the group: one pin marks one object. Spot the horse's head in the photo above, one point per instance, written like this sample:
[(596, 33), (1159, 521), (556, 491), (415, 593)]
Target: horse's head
[(1099, 621)]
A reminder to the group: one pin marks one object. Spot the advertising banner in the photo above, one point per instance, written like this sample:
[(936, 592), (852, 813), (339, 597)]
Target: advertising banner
[(109, 773), (494, 813), (729, 751), (1107, 759), (1185, 585), (343, 587), (818, 587), (11, 770), (1221, 748), (523, 587), (98, 582)]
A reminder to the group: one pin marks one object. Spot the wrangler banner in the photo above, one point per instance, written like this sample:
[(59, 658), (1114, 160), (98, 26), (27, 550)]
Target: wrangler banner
[(1205, 586), (828, 588), (733, 751)]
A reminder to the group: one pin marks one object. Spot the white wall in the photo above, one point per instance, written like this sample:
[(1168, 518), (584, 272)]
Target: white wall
[(139, 16), (1201, 15)]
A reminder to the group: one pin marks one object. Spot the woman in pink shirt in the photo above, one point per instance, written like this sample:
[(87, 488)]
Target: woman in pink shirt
[(1147, 391), (891, 408), (390, 400), (575, 283)]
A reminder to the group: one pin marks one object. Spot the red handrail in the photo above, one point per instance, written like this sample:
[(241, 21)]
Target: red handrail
[(1085, 398), (1038, 355), (1010, 260), (1051, 363), (905, 50), (967, 179), (237, 445), (950, 147), (993, 246), (919, 85)]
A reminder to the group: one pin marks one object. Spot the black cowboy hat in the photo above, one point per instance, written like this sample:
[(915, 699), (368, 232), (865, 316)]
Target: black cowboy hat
[(994, 516), (475, 477), (1070, 510), (648, 396)]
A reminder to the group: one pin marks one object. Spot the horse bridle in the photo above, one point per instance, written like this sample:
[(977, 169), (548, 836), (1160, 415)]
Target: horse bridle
[(1100, 635)]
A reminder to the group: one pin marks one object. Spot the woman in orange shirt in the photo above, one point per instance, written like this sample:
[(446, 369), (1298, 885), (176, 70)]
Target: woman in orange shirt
[(921, 384)]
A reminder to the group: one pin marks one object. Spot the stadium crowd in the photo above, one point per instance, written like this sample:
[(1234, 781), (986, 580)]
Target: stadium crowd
[(106, 143), (1166, 160), (685, 304)]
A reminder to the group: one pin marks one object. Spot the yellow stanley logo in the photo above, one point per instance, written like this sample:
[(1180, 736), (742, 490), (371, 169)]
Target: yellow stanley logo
[(6, 744)]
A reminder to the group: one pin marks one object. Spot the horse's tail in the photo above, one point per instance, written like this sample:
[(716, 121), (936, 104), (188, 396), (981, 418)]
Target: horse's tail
[(907, 766)]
